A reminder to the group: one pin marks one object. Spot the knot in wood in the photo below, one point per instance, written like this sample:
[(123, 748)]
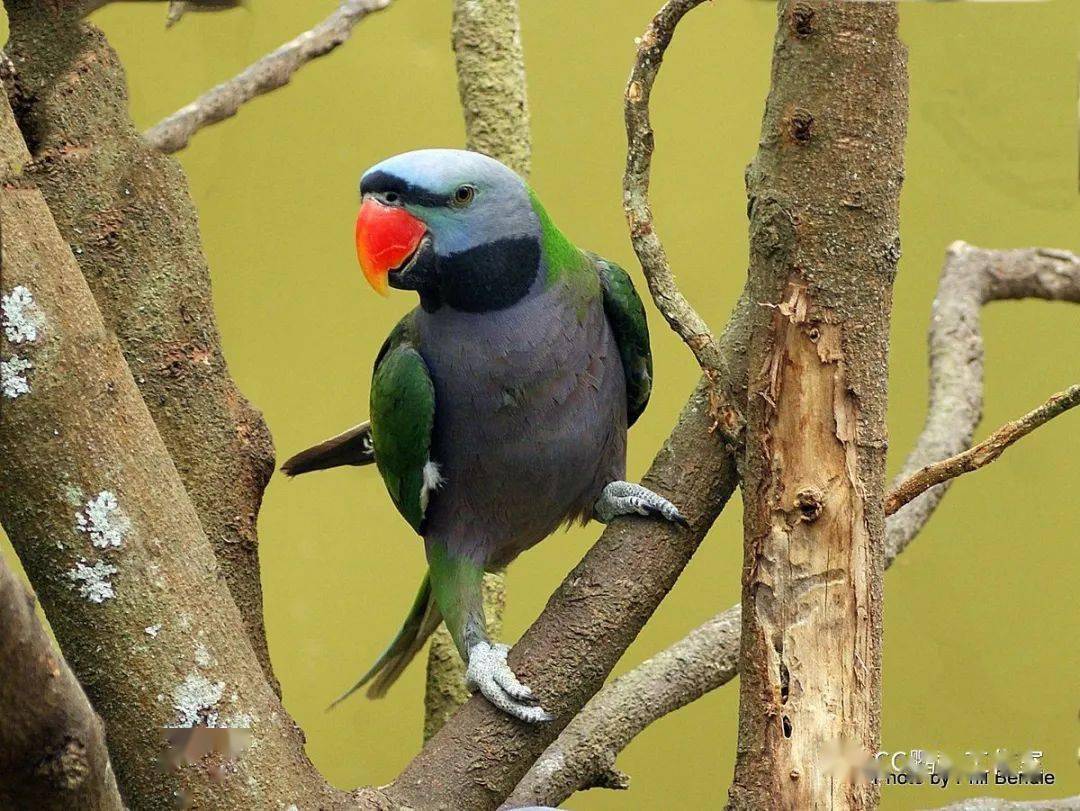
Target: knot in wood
[(809, 502), (801, 20), (66, 767), (801, 126)]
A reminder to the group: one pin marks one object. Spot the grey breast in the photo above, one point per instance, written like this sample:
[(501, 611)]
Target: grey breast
[(530, 421)]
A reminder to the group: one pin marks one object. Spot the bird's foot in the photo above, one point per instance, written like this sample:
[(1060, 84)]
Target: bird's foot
[(489, 673), (627, 498)]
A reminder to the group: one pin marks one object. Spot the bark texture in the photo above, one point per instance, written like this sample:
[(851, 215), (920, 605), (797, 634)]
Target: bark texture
[(486, 37), (997, 804), (585, 752), (113, 546), (669, 300), (125, 211), (707, 658), (52, 746), (824, 244)]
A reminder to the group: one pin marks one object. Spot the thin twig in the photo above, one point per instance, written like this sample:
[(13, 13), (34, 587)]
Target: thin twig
[(647, 245), (269, 73), (982, 454), (707, 658), (970, 279)]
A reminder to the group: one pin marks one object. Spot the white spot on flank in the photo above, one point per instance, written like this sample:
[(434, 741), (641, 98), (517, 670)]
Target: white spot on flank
[(195, 700), (103, 520), (152, 630), (433, 480), (21, 317), (93, 581), (13, 376)]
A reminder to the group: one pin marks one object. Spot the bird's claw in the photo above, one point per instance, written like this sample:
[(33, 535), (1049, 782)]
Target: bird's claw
[(488, 673), (625, 498)]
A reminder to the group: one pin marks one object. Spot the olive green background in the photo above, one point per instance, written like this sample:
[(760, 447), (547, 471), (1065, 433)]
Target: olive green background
[(981, 613)]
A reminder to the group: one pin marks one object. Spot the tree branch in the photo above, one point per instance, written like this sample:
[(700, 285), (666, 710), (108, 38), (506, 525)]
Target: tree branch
[(269, 73), (703, 660), (52, 744), (982, 454), (970, 278), (126, 212), (486, 37), (95, 509), (669, 300), (707, 658)]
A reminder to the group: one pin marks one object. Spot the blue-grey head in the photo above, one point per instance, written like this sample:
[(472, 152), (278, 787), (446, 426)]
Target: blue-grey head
[(456, 226)]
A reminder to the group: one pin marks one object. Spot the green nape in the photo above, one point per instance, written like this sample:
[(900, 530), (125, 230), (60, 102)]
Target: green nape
[(562, 257)]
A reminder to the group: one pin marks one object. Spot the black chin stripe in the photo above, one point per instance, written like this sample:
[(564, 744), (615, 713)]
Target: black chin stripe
[(382, 182), (491, 276)]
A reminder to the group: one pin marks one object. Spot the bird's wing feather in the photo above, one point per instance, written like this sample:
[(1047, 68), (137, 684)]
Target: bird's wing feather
[(626, 315), (402, 416)]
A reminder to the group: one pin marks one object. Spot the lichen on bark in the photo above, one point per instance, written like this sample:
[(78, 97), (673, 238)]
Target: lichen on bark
[(126, 212), (86, 430)]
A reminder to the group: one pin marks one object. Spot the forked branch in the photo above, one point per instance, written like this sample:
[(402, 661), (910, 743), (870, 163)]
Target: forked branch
[(269, 73), (669, 300), (707, 658)]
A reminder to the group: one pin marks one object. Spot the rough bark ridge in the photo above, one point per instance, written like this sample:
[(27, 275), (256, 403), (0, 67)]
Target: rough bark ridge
[(113, 547), (52, 746), (486, 36), (126, 213), (824, 196)]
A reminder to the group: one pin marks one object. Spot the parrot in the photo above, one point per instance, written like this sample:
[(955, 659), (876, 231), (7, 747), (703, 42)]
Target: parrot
[(500, 404)]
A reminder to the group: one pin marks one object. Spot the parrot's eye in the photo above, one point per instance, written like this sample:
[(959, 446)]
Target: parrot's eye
[(391, 197), (463, 195)]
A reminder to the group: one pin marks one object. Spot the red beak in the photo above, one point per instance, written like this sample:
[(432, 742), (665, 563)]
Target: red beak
[(385, 237)]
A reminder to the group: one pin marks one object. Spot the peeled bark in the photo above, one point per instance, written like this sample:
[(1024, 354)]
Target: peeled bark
[(125, 210), (112, 545), (824, 200)]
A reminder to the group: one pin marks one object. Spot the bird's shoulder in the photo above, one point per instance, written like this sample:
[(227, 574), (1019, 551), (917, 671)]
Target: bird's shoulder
[(626, 317)]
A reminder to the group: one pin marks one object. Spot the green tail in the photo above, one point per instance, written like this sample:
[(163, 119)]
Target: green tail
[(423, 619)]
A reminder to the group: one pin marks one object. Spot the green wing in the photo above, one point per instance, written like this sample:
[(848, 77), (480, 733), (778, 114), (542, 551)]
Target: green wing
[(626, 315), (402, 414)]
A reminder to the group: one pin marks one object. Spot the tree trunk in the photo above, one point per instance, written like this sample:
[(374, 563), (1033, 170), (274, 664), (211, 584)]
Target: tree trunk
[(486, 35), (125, 210), (824, 244), (112, 544)]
